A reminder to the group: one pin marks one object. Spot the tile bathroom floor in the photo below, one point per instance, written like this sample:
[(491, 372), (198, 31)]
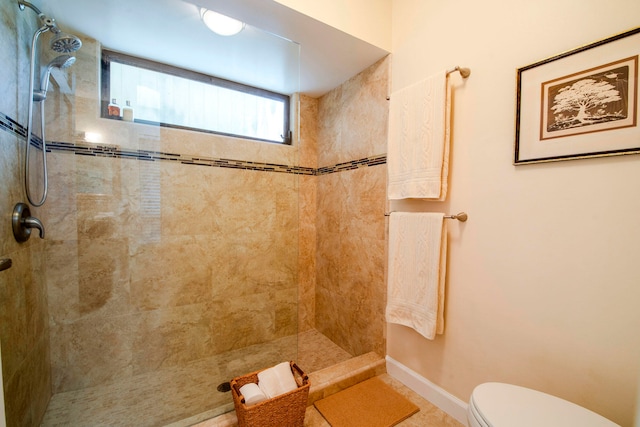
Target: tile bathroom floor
[(428, 415)]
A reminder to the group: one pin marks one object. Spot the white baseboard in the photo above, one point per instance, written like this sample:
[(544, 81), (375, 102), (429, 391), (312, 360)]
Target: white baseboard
[(428, 390)]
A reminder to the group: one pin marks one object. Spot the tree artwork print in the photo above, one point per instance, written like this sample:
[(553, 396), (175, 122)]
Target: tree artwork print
[(589, 101)]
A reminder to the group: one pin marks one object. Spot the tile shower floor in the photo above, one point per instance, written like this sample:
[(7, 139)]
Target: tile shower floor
[(172, 395)]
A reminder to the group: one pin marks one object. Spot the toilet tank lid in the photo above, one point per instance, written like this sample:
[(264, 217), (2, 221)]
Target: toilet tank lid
[(503, 405)]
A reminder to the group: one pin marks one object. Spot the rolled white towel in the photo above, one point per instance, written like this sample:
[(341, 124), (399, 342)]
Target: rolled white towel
[(277, 380), (252, 394)]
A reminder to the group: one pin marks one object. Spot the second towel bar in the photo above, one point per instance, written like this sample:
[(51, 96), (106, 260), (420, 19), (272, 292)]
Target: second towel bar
[(464, 72), (461, 216)]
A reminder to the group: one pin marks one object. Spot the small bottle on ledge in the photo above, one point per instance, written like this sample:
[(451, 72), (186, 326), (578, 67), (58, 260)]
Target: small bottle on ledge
[(127, 112), (113, 109)]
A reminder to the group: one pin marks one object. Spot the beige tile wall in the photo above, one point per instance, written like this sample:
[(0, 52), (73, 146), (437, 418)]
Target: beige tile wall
[(212, 268), (308, 143), (24, 333), (350, 222), (353, 117)]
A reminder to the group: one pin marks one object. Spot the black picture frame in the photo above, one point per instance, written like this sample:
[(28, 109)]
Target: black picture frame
[(580, 104)]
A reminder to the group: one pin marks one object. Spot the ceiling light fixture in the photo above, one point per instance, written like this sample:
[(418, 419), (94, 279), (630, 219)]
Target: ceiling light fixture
[(220, 24)]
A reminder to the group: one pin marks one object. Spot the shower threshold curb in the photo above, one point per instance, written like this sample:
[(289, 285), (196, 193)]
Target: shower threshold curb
[(340, 376)]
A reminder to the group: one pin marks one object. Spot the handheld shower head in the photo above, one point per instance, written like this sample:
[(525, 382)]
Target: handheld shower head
[(65, 43), (60, 43), (62, 62)]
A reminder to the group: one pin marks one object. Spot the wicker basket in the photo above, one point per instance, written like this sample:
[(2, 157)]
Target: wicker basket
[(285, 410)]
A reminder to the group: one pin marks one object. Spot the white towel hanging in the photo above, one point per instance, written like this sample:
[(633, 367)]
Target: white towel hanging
[(419, 139), (417, 271)]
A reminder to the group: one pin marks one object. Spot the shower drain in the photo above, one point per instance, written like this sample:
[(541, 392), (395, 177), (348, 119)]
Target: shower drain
[(224, 387)]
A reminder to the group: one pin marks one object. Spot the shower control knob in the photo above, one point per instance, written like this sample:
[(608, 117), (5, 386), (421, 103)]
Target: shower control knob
[(22, 222)]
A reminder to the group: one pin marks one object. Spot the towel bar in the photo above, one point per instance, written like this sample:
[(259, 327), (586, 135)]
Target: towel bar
[(461, 216), (464, 72)]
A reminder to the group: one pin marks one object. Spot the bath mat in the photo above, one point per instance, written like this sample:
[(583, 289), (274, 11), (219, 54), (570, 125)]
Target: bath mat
[(371, 403)]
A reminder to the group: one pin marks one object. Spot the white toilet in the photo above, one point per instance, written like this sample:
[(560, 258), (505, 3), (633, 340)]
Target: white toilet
[(506, 405)]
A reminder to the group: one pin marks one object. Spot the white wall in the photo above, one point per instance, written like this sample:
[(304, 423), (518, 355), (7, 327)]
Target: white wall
[(543, 280), (368, 20)]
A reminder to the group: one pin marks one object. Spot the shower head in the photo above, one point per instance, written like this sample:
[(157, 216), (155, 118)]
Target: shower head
[(62, 62), (65, 43)]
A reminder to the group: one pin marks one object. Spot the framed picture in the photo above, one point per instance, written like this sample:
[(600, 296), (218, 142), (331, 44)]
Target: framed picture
[(582, 103)]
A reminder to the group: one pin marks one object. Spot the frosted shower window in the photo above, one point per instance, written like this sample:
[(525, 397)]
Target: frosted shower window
[(173, 97)]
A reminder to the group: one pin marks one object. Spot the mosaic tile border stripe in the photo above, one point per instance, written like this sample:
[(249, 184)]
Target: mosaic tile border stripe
[(9, 125)]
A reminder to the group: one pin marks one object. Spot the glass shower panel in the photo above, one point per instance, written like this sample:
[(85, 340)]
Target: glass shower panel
[(172, 255)]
